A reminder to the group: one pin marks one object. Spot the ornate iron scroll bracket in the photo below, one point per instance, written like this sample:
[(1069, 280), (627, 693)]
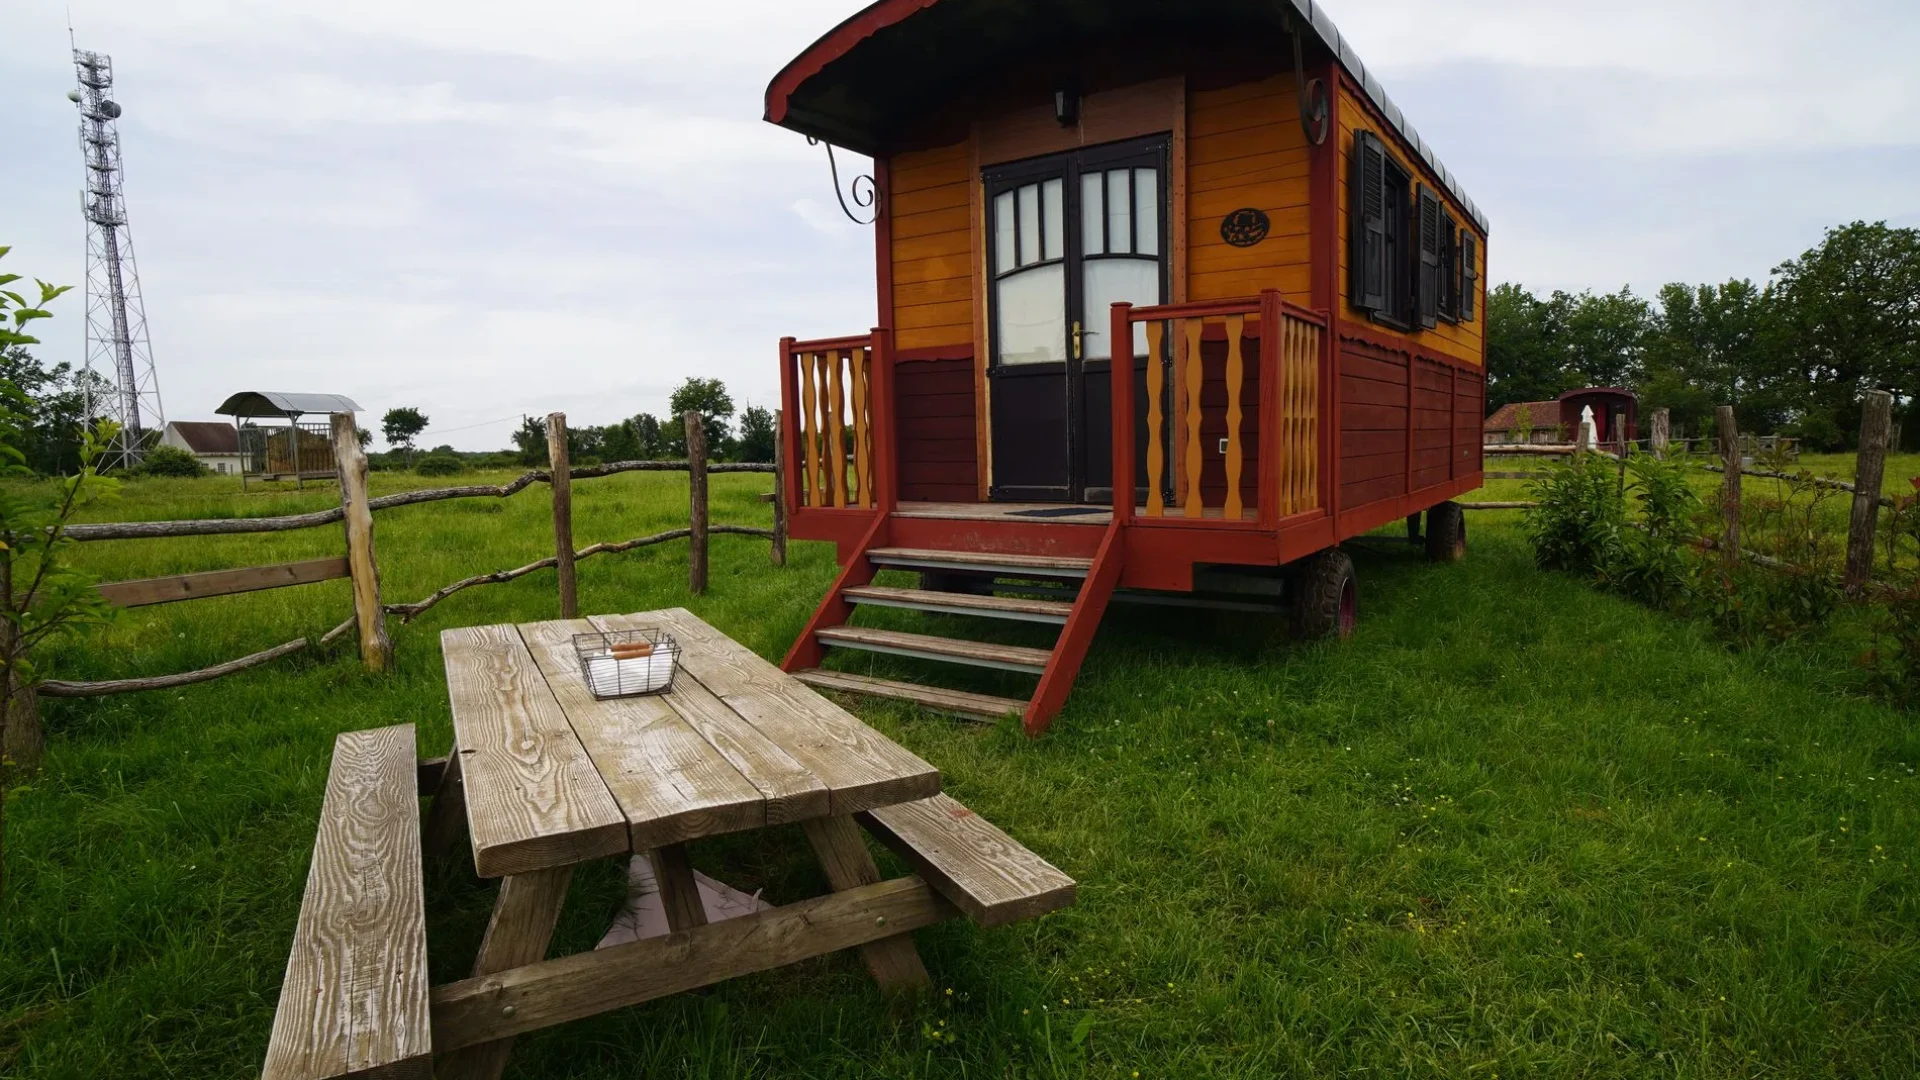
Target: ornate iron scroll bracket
[(865, 194), (1315, 107)]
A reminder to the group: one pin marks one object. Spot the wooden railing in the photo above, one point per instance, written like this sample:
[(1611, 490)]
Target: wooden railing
[(1197, 354), (834, 388)]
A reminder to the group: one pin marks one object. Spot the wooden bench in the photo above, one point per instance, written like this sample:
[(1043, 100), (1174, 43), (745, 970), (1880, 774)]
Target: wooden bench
[(355, 1000), (982, 871)]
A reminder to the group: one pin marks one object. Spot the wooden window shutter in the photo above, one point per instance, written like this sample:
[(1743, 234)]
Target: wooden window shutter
[(1367, 238), (1429, 265), (1469, 273), (1449, 267)]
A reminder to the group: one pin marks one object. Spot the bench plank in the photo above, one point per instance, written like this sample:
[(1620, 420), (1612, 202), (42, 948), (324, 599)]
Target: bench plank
[(861, 768), (355, 999), (672, 784), (534, 799), (983, 871)]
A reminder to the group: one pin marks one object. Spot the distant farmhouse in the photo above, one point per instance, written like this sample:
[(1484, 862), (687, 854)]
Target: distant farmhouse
[(1558, 421), (215, 443)]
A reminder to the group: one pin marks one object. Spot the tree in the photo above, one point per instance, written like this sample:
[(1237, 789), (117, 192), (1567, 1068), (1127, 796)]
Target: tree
[(756, 435), (56, 409), (42, 598), (531, 440), (647, 436), (709, 397), (401, 426)]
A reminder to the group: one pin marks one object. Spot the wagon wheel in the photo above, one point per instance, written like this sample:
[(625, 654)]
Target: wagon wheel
[(1446, 533), (1326, 600)]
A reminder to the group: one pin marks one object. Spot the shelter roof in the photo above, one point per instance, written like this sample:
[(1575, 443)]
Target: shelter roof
[(1541, 415), (275, 403)]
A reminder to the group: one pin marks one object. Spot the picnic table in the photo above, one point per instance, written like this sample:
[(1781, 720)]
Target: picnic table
[(542, 777)]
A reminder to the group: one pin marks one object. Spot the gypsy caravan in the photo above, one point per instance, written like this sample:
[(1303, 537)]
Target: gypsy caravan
[(1219, 188)]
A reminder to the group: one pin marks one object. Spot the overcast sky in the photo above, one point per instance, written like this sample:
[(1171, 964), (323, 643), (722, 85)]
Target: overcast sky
[(486, 208)]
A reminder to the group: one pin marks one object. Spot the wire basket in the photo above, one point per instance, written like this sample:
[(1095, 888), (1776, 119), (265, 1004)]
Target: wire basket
[(627, 663)]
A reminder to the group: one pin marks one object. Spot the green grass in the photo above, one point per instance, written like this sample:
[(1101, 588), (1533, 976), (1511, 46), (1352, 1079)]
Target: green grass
[(1514, 827)]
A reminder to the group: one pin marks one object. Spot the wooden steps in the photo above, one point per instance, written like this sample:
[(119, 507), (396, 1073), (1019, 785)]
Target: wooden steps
[(978, 706), (1062, 588), (947, 603), (1050, 566), (928, 647)]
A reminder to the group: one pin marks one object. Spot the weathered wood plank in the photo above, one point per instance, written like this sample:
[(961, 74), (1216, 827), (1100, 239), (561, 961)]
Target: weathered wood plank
[(679, 893), (370, 619), (166, 590), (562, 485), (893, 962), (983, 871), (979, 653), (860, 767), (354, 1001), (671, 783), (551, 992), (524, 915), (534, 799)]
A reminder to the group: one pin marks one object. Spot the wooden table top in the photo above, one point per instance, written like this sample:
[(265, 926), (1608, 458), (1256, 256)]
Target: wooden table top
[(555, 777)]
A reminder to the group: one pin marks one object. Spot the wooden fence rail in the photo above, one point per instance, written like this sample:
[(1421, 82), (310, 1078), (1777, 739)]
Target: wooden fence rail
[(359, 565)]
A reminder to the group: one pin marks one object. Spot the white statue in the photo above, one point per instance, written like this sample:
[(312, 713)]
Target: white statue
[(1588, 432)]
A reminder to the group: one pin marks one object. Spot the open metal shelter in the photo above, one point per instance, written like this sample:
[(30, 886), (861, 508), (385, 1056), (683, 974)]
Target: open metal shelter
[(289, 445)]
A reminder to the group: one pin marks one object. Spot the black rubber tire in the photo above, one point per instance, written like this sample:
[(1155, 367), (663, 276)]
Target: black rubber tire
[(1326, 598), (1446, 533)]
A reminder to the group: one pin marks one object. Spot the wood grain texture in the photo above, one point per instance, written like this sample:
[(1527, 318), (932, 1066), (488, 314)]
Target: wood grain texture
[(939, 699), (376, 648), (558, 465), (893, 962), (983, 871), (534, 798), (670, 782), (696, 502), (552, 992), (956, 649), (165, 590), (524, 914), (986, 605), (354, 1002), (679, 894), (860, 767)]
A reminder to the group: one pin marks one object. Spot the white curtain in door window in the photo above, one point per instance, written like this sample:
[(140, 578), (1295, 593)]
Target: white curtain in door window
[(1109, 282), (1032, 306)]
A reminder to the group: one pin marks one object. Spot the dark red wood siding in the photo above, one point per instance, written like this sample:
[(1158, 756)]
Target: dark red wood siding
[(934, 399), (1409, 421)]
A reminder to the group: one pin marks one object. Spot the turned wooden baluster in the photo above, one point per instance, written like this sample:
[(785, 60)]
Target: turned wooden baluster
[(809, 434), (1193, 507), (862, 457), (1236, 373), (1156, 447)]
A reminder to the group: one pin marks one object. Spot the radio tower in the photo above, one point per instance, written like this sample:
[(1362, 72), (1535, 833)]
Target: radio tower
[(116, 315)]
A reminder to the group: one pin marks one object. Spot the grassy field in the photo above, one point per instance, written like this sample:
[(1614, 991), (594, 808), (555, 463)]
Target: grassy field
[(1513, 828)]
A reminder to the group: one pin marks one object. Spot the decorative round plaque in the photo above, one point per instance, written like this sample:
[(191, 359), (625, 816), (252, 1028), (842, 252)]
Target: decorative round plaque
[(1245, 227)]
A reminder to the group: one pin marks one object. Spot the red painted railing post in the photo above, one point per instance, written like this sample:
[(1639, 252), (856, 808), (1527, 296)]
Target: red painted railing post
[(790, 425), (880, 401), (1268, 466), (1121, 376)]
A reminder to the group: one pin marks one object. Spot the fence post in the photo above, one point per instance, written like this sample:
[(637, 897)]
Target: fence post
[(1662, 433), (560, 466), (1876, 420), (696, 502), (376, 648), (778, 556), (1730, 480)]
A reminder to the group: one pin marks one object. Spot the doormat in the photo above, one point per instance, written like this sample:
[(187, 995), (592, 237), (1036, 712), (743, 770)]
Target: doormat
[(1061, 511)]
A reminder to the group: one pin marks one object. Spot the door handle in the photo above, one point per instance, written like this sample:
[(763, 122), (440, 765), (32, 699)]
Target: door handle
[(1077, 334)]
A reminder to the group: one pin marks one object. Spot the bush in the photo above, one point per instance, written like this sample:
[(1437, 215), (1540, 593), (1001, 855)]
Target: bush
[(439, 464), (170, 461), (1580, 513)]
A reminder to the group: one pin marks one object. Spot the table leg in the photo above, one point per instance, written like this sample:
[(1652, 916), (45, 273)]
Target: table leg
[(678, 891), (447, 813), (524, 915), (842, 851)]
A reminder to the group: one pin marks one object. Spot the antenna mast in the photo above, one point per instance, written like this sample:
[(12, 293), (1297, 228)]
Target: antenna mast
[(116, 313)]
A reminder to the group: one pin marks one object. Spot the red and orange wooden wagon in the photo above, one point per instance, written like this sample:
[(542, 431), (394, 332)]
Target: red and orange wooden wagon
[(1222, 186)]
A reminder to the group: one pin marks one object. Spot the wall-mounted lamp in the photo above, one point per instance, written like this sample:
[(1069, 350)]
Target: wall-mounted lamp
[(1066, 106)]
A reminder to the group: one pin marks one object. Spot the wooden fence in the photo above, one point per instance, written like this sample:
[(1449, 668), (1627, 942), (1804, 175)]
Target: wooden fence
[(356, 509)]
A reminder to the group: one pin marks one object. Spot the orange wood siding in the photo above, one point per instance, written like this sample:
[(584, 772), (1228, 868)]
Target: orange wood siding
[(1245, 149), (933, 257), (1462, 341)]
